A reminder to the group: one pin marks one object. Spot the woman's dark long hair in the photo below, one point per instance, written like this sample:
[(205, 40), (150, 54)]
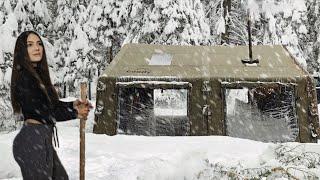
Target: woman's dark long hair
[(22, 61)]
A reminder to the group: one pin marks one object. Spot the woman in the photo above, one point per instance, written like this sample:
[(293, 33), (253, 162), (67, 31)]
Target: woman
[(34, 96)]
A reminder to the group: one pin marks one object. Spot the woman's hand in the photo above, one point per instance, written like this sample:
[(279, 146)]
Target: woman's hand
[(83, 108)]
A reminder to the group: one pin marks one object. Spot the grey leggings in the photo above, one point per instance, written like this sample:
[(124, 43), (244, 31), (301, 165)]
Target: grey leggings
[(33, 151)]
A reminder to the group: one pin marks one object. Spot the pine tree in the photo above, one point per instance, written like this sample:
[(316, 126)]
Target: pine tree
[(287, 27), (316, 38), (172, 22), (135, 20), (106, 27), (32, 15), (313, 38), (218, 14), (65, 55)]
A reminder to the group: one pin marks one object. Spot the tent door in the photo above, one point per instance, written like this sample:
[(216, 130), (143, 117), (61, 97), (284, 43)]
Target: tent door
[(136, 112), (153, 108), (264, 111)]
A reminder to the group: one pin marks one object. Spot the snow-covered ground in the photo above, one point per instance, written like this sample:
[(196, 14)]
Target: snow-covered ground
[(124, 157)]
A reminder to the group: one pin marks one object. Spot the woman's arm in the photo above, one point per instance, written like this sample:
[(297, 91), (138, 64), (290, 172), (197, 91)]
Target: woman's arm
[(63, 111), (71, 110)]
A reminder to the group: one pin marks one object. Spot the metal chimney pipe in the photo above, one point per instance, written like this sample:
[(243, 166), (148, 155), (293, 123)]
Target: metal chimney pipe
[(249, 34), (250, 60)]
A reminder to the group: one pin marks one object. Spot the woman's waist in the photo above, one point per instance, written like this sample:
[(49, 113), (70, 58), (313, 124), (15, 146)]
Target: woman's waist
[(32, 121), (32, 118), (38, 123)]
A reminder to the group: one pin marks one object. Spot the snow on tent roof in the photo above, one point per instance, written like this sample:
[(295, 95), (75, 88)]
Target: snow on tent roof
[(203, 61)]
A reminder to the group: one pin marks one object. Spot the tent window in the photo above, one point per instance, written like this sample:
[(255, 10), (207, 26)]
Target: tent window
[(265, 113), (160, 59), (170, 102), (153, 112)]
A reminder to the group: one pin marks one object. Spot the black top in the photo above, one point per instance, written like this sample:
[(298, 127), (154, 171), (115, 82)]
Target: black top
[(35, 105)]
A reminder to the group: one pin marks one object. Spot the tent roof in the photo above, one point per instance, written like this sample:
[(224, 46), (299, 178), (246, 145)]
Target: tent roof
[(202, 61)]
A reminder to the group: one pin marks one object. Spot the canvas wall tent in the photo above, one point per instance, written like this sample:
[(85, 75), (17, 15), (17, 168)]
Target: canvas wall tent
[(201, 90)]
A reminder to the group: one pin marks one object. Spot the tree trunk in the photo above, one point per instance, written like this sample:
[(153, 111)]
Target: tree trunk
[(226, 13), (89, 79), (64, 90)]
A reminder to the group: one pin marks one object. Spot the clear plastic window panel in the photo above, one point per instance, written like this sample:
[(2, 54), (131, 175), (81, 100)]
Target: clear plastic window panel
[(153, 112), (265, 113)]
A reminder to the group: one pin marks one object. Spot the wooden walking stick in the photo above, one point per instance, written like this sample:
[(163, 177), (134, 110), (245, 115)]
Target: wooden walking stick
[(83, 96)]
